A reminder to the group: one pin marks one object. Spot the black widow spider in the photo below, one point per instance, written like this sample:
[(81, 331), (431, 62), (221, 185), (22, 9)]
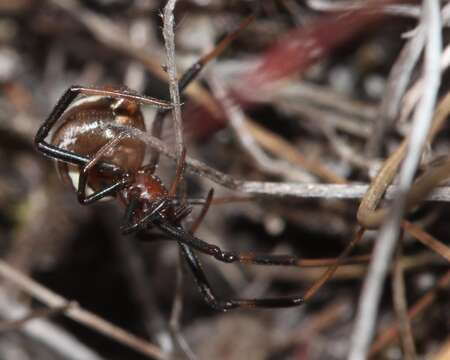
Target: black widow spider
[(99, 159)]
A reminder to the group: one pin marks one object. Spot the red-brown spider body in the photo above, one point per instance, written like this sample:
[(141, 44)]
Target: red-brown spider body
[(94, 153), (84, 130), (147, 189)]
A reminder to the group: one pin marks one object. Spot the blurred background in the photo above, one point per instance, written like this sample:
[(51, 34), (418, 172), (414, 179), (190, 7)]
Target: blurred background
[(309, 117)]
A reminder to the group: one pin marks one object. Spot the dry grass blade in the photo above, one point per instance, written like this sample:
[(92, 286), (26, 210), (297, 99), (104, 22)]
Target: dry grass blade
[(332, 269), (390, 333), (169, 40), (239, 123), (42, 330), (425, 238), (369, 300), (401, 306), (9, 325), (284, 150), (78, 314), (398, 80)]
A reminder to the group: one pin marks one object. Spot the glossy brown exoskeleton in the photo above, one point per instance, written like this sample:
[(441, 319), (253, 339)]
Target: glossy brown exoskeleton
[(100, 159)]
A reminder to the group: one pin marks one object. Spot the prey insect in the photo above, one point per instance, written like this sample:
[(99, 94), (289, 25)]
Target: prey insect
[(100, 161)]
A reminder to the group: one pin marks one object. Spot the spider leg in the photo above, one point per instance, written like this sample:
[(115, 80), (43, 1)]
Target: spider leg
[(108, 191), (182, 236), (205, 287), (224, 305), (125, 178), (181, 212), (290, 301), (129, 227), (203, 212), (63, 103), (188, 76), (51, 150)]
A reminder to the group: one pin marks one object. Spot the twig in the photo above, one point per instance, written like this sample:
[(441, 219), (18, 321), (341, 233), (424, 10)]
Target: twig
[(332, 269), (238, 123), (389, 334), (327, 191), (9, 325), (135, 271), (177, 311), (368, 305), (327, 116), (111, 35), (352, 271), (412, 96), (396, 9), (278, 146), (282, 189), (323, 97), (428, 240), (169, 41), (78, 314), (401, 306), (399, 78), (45, 332)]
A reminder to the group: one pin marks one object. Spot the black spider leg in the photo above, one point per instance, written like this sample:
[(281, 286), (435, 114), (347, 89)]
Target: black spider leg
[(205, 287), (84, 162), (51, 150), (179, 234), (63, 103), (191, 242), (270, 302), (188, 76), (224, 305), (128, 226), (186, 241), (124, 177)]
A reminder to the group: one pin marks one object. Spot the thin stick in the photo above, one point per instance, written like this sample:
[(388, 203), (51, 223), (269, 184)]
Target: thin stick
[(45, 332), (399, 79), (238, 123), (327, 191), (390, 333), (401, 306), (78, 314), (324, 191), (368, 304), (285, 150), (332, 269), (169, 41), (412, 96), (9, 325), (428, 240)]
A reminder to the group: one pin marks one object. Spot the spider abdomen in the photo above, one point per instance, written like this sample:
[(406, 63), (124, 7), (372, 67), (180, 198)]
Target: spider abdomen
[(88, 125)]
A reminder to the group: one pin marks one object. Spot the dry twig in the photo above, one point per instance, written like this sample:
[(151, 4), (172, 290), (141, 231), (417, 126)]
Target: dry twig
[(169, 40), (389, 334), (78, 314), (367, 309), (401, 306)]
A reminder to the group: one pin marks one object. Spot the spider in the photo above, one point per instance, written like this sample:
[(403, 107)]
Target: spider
[(101, 162)]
